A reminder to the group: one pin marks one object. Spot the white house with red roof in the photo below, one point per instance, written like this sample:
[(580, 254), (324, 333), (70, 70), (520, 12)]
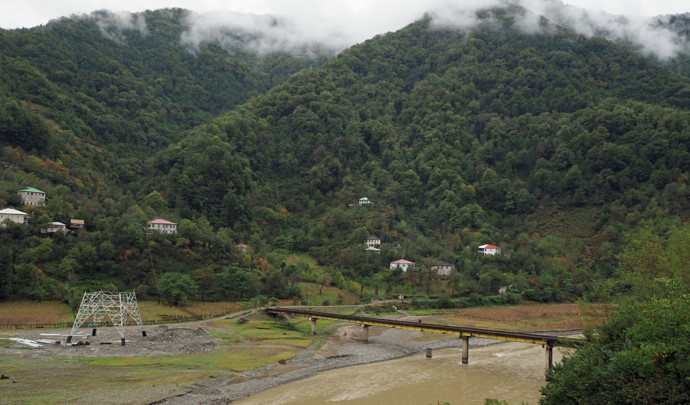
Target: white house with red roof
[(161, 225), (401, 264), (489, 250)]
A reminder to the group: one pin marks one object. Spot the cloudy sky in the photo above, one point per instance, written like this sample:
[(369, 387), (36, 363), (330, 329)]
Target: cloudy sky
[(370, 16)]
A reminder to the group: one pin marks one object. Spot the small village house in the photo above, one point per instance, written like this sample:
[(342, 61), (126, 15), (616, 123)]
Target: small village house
[(10, 214), (161, 225), (54, 227), (76, 223), (365, 201), (443, 269), (373, 242), (373, 249), (32, 196), (401, 264), (242, 247), (490, 250)]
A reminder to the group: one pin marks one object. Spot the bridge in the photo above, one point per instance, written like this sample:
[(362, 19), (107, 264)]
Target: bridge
[(548, 342)]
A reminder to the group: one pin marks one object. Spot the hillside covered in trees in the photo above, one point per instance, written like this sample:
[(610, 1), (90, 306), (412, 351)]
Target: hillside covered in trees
[(552, 145)]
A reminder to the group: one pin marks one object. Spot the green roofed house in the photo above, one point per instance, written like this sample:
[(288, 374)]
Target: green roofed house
[(32, 196)]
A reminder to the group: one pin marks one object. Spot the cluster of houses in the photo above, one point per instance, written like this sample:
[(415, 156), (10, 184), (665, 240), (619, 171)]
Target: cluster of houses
[(37, 198), (443, 269), (32, 197)]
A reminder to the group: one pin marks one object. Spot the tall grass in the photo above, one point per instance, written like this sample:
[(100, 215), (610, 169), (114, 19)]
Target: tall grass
[(551, 316), (29, 312)]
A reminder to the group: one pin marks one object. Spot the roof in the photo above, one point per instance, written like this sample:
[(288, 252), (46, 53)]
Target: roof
[(12, 211), (161, 221), (373, 238), (57, 224), (402, 261), (442, 263), (77, 221), (488, 247), (31, 190)]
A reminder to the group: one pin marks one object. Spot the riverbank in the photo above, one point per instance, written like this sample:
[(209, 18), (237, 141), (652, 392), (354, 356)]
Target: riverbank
[(343, 349), (216, 361)]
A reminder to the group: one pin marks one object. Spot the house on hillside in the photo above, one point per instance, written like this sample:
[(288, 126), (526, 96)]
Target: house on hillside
[(76, 223), (10, 214), (242, 247), (373, 249), (54, 227), (373, 242), (401, 264), (443, 269), (490, 250), (161, 225), (365, 201), (32, 196)]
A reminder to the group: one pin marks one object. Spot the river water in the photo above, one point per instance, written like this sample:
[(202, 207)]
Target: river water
[(512, 372)]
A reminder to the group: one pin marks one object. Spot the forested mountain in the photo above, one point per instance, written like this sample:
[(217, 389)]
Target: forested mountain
[(127, 83), (548, 143)]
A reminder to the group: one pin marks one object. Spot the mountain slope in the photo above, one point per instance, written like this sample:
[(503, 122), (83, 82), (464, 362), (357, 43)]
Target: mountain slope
[(550, 145), (466, 137)]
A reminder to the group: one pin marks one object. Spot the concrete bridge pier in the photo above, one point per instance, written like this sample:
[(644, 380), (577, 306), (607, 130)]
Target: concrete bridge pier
[(365, 338), (465, 349), (549, 356), (313, 325)]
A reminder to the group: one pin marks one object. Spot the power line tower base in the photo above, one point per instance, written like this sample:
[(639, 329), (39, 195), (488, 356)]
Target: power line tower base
[(114, 306)]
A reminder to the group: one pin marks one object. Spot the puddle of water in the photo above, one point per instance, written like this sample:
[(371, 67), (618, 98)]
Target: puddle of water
[(512, 372)]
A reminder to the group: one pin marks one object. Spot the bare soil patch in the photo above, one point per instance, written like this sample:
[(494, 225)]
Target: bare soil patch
[(160, 340)]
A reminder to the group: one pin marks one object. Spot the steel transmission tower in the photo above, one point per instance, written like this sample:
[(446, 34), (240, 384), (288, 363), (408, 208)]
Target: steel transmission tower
[(115, 306)]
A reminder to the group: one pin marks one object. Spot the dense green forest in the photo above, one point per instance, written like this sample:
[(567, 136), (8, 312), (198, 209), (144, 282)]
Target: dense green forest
[(554, 146)]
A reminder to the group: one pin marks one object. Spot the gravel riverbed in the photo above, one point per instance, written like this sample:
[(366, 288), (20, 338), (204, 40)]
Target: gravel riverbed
[(344, 349)]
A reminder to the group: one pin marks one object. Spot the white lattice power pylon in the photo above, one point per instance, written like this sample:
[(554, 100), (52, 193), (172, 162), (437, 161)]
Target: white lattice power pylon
[(115, 306)]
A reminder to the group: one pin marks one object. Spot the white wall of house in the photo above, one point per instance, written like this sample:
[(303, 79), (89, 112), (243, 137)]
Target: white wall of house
[(14, 216), (401, 264), (161, 225), (373, 242), (443, 270), (489, 250), (33, 199)]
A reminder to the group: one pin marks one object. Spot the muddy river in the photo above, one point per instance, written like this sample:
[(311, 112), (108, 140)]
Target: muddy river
[(512, 372)]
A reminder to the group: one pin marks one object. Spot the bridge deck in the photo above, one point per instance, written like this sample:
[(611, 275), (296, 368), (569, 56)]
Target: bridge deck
[(534, 338)]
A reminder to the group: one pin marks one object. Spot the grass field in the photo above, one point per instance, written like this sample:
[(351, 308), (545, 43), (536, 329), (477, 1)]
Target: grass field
[(536, 317), (50, 313), (328, 295), (31, 312)]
